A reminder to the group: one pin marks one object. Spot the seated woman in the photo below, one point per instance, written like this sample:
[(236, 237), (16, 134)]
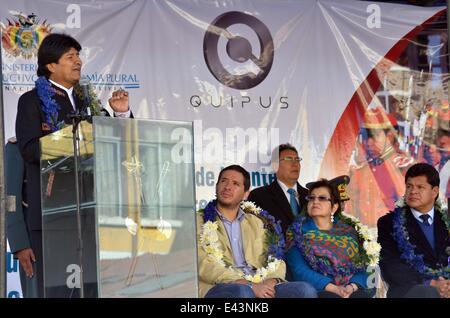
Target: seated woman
[(330, 250)]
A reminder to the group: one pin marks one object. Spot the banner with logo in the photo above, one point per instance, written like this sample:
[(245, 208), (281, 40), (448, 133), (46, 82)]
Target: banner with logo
[(333, 78)]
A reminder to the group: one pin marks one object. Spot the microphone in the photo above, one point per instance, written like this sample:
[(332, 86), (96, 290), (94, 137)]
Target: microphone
[(84, 85)]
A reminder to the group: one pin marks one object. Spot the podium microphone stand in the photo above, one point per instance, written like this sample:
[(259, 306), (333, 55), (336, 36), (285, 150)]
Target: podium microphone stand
[(77, 117)]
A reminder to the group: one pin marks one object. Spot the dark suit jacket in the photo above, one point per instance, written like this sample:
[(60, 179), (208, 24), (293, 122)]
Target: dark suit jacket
[(272, 199), (29, 120), (396, 272), (29, 129), (16, 229)]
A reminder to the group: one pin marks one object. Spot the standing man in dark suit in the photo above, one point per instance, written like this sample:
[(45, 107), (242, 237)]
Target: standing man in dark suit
[(284, 197), (16, 227), (41, 111), (415, 239)]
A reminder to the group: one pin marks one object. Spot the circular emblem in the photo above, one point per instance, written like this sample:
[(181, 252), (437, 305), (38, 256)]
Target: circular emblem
[(238, 49)]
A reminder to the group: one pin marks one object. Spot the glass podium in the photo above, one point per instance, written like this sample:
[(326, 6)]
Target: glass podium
[(136, 234)]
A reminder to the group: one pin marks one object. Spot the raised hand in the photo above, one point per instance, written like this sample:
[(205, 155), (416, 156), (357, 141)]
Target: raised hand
[(119, 101)]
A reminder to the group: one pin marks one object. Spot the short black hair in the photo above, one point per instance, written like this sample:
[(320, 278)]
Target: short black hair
[(276, 153), (443, 132), (424, 169), (334, 195), (241, 170), (52, 48)]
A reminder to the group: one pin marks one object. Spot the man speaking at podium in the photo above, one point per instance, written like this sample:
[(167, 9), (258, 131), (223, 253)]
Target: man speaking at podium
[(41, 111)]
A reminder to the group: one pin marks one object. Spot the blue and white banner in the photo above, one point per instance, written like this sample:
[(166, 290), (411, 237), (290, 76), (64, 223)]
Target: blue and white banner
[(256, 73)]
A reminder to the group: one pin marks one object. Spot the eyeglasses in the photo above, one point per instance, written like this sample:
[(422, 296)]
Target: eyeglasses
[(291, 159), (321, 198)]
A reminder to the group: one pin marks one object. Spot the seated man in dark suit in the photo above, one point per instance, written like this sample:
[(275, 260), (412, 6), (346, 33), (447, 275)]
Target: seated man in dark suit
[(284, 197), (415, 239)]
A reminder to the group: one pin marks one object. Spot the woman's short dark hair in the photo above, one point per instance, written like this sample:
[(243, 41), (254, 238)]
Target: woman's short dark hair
[(52, 48), (334, 195), (242, 171)]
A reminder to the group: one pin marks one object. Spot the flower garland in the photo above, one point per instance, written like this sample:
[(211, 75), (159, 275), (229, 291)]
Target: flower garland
[(368, 256), (209, 240), (405, 247), (50, 107), (275, 237)]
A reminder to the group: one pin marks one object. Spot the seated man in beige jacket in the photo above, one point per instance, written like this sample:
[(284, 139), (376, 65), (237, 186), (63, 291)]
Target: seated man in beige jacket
[(235, 260)]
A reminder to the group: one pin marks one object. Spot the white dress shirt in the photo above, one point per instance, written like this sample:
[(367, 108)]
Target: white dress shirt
[(69, 92)]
